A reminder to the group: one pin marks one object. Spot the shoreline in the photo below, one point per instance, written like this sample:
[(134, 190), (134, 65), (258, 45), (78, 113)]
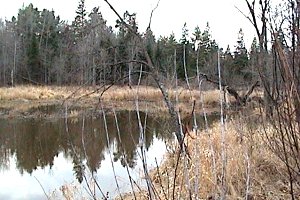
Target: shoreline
[(51, 101)]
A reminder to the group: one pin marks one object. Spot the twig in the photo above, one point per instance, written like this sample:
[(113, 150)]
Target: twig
[(200, 81), (160, 181), (152, 14), (175, 174), (197, 151), (155, 75), (83, 145), (42, 188), (108, 147), (223, 147), (150, 186), (123, 154), (247, 17), (74, 152)]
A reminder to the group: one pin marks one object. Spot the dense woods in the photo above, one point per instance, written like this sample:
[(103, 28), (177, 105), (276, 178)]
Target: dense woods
[(38, 47)]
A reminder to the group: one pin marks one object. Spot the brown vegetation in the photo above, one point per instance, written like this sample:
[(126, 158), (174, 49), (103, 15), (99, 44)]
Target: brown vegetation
[(21, 99), (253, 171)]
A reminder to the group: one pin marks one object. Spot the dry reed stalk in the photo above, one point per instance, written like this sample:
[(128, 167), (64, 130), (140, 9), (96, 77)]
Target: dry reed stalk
[(266, 180)]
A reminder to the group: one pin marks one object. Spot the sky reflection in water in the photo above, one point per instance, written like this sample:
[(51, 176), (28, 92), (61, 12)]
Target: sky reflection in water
[(37, 150)]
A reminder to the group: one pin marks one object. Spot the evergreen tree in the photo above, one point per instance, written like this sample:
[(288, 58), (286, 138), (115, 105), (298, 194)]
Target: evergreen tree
[(227, 66), (196, 38), (241, 60), (99, 41), (150, 44), (127, 45), (208, 51), (29, 32), (34, 61), (185, 35), (48, 43), (183, 54), (253, 60), (80, 20), (166, 49)]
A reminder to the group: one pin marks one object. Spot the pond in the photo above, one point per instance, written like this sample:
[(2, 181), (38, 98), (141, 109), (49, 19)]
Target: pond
[(43, 154)]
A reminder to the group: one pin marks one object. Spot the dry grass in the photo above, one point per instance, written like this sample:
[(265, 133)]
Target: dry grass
[(17, 101), (245, 153), (145, 93), (115, 93), (33, 93)]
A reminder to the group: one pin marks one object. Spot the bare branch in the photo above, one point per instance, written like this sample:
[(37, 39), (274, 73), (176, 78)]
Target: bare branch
[(152, 14), (42, 187), (156, 77), (122, 20), (254, 22), (245, 15)]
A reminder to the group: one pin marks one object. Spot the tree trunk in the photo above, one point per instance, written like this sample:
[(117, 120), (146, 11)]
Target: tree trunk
[(94, 72)]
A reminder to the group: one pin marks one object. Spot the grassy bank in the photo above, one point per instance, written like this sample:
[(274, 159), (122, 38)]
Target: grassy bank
[(115, 93), (22, 100), (243, 168)]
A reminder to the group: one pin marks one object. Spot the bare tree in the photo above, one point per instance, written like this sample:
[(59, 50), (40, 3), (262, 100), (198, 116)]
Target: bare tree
[(260, 25), (156, 76), (282, 85)]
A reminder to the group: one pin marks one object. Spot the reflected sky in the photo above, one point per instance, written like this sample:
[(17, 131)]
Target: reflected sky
[(39, 154), (17, 186)]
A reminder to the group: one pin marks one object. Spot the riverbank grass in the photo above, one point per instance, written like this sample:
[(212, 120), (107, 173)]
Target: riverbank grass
[(24, 99), (114, 93), (249, 171)]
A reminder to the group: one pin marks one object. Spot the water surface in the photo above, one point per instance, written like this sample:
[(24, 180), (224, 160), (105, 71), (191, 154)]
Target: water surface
[(38, 153), (44, 154)]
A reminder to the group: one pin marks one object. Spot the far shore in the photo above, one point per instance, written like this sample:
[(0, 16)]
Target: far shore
[(52, 101)]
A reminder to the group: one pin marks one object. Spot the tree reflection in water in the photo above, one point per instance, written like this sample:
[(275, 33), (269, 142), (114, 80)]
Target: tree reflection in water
[(36, 142)]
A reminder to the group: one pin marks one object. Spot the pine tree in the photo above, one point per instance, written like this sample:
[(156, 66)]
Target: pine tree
[(196, 38), (80, 20), (150, 44), (34, 61), (29, 32), (241, 60), (227, 66), (128, 45), (185, 35), (254, 56), (98, 42), (183, 53), (208, 52), (48, 43)]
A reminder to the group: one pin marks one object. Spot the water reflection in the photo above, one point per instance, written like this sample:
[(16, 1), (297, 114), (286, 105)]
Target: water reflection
[(29, 145), (35, 142)]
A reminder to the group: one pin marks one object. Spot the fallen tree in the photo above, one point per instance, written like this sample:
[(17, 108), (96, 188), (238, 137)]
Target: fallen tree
[(241, 100)]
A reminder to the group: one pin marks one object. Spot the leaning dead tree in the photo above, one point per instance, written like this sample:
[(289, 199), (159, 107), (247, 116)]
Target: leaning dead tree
[(241, 100), (154, 72)]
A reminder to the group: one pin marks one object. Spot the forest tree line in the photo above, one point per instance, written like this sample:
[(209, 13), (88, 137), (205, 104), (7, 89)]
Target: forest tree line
[(37, 47)]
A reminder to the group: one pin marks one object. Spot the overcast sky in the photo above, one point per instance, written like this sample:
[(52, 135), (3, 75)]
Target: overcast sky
[(224, 19)]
